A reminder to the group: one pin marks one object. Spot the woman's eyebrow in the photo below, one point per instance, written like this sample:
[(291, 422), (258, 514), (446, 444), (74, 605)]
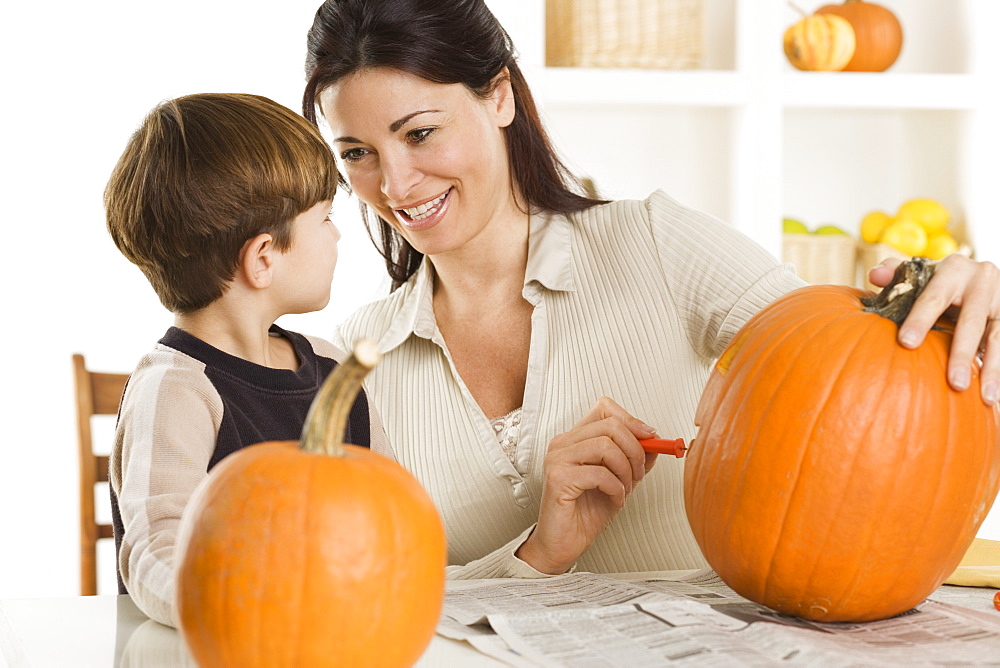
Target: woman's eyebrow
[(398, 124), (393, 127)]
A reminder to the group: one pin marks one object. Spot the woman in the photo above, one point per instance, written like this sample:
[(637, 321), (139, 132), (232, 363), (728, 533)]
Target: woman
[(520, 305)]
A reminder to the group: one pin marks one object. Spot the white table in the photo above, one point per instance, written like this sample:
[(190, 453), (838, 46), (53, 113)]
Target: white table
[(105, 631), (109, 631)]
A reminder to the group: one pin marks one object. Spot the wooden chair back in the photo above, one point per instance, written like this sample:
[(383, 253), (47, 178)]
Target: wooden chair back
[(96, 394)]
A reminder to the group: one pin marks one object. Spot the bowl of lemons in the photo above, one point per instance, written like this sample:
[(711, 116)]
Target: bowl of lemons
[(920, 227)]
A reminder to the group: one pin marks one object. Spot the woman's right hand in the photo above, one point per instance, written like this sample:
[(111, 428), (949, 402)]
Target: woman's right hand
[(589, 473)]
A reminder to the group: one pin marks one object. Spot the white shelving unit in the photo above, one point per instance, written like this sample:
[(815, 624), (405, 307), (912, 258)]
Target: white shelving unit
[(750, 139)]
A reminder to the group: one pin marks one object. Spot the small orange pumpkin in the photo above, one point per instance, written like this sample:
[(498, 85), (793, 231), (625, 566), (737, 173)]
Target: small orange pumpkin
[(819, 43), (877, 33), (836, 476), (319, 555)]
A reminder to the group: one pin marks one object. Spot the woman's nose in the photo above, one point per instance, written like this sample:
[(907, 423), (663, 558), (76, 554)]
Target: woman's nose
[(399, 176)]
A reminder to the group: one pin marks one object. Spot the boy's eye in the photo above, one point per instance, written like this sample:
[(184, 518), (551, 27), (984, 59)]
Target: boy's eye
[(419, 134), (352, 154)]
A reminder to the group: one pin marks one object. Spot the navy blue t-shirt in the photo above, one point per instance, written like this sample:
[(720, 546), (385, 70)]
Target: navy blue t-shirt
[(259, 403)]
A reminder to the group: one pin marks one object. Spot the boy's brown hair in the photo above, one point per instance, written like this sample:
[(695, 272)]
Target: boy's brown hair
[(201, 176)]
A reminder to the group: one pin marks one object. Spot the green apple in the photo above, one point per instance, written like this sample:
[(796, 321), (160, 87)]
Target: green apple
[(830, 229), (793, 226)]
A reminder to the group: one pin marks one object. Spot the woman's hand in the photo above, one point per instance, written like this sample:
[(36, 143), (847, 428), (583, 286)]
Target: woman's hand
[(968, 292), (589, 473)]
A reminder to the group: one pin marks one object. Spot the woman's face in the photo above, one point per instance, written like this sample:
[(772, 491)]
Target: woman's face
[(429, 158)]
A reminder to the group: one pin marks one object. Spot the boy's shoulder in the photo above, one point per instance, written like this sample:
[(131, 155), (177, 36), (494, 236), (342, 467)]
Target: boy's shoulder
[(323, 347), (166, 369)]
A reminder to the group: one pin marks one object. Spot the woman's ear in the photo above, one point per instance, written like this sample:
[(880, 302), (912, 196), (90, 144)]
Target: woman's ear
[(503, 98), (257, 261)]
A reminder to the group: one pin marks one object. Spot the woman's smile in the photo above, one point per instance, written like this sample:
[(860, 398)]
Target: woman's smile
[(424, 215)]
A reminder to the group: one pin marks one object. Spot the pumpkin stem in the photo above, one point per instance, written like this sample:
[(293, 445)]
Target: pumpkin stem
[(323, 432), (896, 299)]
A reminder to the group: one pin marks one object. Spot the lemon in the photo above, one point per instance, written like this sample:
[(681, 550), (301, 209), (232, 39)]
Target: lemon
[(931, 215), (905, 235), (940, 246), (872, 225), (830, 229), (793, 226)]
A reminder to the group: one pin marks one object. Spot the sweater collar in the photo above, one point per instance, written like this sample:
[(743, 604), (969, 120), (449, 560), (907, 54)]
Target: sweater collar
[(550, 252), (306, 376)]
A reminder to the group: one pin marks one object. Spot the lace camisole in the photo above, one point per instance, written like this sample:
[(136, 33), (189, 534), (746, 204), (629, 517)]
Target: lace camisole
[(508, 431)]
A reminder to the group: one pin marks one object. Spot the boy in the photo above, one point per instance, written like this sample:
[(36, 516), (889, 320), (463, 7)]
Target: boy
[(222, 201)]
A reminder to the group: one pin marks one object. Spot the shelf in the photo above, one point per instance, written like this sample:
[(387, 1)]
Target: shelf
[(866, 90), (720, 88), (593, 86), (749, 138)]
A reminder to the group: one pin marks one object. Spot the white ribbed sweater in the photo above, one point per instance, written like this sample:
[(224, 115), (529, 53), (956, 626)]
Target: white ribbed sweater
[(632, 300)]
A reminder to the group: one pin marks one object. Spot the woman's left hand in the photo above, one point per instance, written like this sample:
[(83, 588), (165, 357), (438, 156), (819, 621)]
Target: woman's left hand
[(968, 292)]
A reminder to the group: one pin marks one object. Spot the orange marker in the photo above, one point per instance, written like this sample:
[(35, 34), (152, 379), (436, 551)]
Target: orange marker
[(664, 446)]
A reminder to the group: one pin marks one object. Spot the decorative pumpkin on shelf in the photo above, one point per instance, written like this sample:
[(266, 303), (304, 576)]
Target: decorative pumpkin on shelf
[(877, 34), (322, 554), (820, 43), (836, 476)]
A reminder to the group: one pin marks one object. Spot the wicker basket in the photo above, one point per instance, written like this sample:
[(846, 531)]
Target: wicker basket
[(665, 34), (822, 259)]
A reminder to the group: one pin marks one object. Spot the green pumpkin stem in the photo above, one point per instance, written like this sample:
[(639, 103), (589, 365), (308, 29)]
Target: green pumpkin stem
[(896, 299), (323, 432)]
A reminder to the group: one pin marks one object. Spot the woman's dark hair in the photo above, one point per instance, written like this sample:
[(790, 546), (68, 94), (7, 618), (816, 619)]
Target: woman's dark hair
[(447, 42)]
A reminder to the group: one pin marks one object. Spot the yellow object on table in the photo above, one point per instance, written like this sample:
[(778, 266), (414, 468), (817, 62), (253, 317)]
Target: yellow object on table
[(980, 567)]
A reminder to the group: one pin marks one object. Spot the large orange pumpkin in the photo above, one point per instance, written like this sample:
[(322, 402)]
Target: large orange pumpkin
[(878, 35), (836, 476), (319, 555)]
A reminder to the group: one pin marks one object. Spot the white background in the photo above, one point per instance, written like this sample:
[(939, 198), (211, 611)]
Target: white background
[(79, 78)]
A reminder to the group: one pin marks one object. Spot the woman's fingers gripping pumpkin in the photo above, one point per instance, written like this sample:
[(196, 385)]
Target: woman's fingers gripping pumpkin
[(969, 292)]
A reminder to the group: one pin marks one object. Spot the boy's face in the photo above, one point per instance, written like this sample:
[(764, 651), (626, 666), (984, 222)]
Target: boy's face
[(310, 261)]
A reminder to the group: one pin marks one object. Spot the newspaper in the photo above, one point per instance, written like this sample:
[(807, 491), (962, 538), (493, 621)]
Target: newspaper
[(586, 620)]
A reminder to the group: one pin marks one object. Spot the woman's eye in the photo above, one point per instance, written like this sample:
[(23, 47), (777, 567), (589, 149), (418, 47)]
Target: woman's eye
[(352, 154), (419, 135)]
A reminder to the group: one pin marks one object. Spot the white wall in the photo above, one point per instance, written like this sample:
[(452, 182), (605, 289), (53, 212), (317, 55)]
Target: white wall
[(79, 77)]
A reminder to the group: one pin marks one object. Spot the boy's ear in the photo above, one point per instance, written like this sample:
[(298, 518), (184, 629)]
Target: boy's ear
[(257, 261)]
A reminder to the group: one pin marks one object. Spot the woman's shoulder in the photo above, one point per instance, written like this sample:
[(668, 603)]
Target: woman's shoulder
[(663, 216), (658, 204)]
